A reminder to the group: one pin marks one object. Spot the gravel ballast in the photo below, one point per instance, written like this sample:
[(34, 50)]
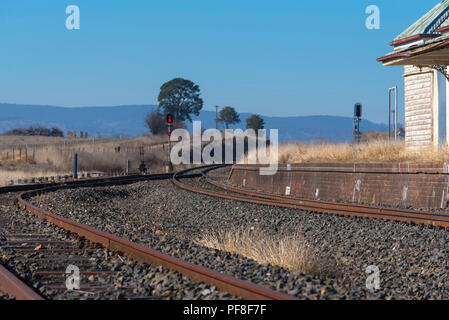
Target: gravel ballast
[(132, 281), (412, 260), (4, 296)]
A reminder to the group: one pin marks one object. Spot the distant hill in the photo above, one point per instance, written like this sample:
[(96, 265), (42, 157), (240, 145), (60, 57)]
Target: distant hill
[(128, 120)]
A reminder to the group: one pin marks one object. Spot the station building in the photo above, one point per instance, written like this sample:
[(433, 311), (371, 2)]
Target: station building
[(423, 50)]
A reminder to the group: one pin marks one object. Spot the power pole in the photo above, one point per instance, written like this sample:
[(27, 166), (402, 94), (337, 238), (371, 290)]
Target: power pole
[(216, 117), (169, 167), (395, 112)]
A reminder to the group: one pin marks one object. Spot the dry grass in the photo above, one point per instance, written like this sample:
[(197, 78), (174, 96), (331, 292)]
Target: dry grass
[(93, 158), (52, 156), (290, 252), (8, 142), (376, 151), (7, 175)]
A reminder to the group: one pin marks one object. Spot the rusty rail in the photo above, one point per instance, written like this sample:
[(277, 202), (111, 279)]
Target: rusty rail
[(13, 286), (141, 253), (440, 219)]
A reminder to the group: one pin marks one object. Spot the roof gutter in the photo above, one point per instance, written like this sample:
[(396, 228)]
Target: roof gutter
[(414, 38)]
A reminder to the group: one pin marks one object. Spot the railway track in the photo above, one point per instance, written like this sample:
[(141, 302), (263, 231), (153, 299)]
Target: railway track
[(45, 256), (225, 191), (412, 258), (197, 180), (94, 240)]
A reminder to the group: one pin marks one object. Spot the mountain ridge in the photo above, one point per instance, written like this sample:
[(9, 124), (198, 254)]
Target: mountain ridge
[(129, 120)]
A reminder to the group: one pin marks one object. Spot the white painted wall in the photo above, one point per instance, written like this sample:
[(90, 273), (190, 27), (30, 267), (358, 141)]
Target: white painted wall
[(447, 111), (442, 109), (419, 125)]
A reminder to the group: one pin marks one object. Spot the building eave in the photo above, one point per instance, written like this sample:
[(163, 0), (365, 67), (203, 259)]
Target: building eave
[(414, 38)]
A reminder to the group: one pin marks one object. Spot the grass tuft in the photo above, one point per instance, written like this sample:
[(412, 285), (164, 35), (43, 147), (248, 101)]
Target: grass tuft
[(290, 252)]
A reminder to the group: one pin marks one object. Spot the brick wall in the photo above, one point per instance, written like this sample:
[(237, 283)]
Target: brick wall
[(407, 184), (419, 110)]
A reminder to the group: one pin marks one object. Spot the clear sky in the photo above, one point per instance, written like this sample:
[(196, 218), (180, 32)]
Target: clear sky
[(280, 58)]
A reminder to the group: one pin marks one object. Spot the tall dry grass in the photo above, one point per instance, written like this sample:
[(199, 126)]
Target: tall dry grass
[(93, 158), (375, 151), (290, 252), (52, 156), (9, 142)]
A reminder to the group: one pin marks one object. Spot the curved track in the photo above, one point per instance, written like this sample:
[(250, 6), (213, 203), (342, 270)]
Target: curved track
[(183, 179), (225, 191), (141, 253)]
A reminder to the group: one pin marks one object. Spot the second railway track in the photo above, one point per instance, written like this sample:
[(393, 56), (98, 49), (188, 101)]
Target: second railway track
[(226, 191)]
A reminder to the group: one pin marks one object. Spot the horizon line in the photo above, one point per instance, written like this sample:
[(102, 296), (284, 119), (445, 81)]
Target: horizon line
[(155, 105)]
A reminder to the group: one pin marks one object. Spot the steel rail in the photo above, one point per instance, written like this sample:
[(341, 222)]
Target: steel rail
[(234, 286), (342, 209), (98, 181), (436, 219), (13, 286)]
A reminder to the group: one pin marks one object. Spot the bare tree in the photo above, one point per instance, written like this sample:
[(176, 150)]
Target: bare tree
[(155, 122)]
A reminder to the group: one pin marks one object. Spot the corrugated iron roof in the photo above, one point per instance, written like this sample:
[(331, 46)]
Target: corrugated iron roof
[(436, 18)]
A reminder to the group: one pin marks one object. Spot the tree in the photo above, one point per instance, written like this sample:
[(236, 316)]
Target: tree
[(181, 98), (155, 122), (56, 132), (36, 131), (228, 115), (255, 122)]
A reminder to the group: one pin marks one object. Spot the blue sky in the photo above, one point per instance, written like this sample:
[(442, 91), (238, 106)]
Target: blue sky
[(278, 58)]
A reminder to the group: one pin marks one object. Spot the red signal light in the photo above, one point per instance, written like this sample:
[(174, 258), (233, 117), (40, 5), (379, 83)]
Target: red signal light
[(169, 118)]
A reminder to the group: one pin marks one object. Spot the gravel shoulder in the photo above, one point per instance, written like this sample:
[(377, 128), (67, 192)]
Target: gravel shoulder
[(412, 260)]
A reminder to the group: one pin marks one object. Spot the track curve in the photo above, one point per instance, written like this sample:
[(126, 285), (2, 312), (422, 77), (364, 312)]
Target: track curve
[(440, 219), (141, 253)]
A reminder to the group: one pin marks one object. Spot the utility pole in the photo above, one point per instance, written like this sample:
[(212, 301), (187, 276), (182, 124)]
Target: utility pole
[(395, 112), (216, 117), (169, 167)]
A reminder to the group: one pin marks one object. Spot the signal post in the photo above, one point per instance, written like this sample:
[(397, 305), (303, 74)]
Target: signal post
[(169, 166)]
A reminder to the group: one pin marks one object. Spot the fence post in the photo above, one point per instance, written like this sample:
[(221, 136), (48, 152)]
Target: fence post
[(75, 167), (128, 165)]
